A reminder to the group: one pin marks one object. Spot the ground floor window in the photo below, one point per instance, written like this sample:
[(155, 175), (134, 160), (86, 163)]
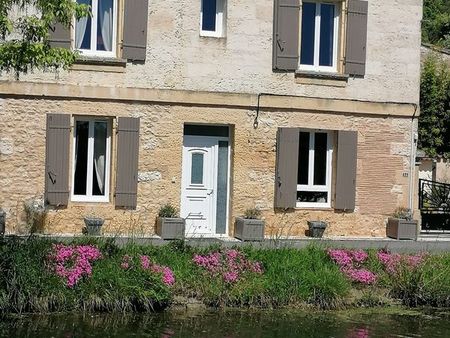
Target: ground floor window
[(91, 160), (314, 169)]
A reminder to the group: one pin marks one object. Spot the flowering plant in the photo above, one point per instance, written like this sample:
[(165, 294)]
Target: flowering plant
[(230, 265), (393, 261), (350, 263), (167, 275), (72, 262)]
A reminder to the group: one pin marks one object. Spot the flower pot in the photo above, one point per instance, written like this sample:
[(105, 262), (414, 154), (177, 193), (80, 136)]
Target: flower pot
[(2, 222), (401, 228), (316, 228), (93, 225), (170, 228), (249, 229)]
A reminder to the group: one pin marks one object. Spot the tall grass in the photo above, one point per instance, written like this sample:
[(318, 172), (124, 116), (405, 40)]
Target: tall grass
[(291, 277)]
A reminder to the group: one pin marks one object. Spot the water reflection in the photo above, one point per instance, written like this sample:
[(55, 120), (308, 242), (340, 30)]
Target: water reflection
[(233, 323)]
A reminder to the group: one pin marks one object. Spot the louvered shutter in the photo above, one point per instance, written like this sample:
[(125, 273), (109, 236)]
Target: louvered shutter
[(57, 159), (127, 162), (286, 34), (286, 168), (355, 56), (135, 30), (59, 36), (346, 170)]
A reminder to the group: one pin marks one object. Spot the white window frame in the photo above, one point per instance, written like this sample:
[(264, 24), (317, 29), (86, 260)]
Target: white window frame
[(90, 163), (310, 186), (316, 67), (94, 23), (220, 20)]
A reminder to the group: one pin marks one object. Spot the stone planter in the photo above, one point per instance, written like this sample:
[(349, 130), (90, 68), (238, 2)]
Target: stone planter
[(401, 229), (249, 229), (93, 226), (170, 228), (316, 228), (2, 222)]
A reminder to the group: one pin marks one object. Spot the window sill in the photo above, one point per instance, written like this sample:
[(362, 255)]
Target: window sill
[(314, 208), (100, 64), (321, 79)]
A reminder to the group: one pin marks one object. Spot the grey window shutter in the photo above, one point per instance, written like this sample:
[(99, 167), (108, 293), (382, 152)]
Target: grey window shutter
[(286, 27), (355, 56), (135, 29), (286, 168), (346, 170), (59, 36), (57, 159), (127, 162)]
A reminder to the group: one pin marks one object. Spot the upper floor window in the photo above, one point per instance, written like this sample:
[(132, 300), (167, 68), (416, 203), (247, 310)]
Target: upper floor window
[(212, 18), (96, 34), (319, 36)]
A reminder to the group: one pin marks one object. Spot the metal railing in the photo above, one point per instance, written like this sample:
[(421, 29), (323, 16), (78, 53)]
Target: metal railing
[(434, 205)]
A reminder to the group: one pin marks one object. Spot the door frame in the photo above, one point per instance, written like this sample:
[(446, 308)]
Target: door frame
[(215, 180)]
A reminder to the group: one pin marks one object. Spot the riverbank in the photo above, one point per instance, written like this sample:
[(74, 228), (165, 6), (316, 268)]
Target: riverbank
[(41, 275)]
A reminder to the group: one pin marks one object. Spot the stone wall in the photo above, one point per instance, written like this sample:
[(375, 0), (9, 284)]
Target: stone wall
[(383, 157), (178, 58)]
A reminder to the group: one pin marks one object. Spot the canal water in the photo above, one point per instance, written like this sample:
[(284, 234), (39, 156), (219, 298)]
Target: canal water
[(235, 323)]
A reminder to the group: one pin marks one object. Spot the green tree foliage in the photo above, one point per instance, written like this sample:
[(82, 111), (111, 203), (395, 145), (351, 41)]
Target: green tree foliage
[(434, 122), (24, 38), (436, 22)]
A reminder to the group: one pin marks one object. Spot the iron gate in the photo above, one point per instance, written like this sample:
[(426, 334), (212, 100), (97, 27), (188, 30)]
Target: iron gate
[(434, 204)]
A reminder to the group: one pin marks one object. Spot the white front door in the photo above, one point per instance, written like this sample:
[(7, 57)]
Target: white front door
[(199, 184)]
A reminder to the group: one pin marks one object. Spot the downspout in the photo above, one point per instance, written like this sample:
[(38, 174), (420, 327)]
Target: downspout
[(412, 163)]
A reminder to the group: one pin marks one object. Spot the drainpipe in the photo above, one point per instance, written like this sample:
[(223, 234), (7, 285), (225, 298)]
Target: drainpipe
[(412, 163)]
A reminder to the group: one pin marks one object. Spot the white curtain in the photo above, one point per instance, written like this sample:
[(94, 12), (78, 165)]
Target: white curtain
[(105, 12), (100, 154), (80, 26)]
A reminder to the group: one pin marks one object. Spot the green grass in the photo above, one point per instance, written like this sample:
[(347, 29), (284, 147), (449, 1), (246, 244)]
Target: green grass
[(292, 277)]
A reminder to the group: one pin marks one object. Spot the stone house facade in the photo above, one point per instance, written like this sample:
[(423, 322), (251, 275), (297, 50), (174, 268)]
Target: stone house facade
[(304, 109)]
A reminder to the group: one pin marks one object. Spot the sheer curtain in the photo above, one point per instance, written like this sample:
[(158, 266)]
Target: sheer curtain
[(100, 154), (105, 12), (80, 26)]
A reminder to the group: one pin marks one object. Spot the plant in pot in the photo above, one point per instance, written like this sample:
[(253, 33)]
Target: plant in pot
[(93, 225), (168, 224), (250, 227), (316, 228), (401, 225)]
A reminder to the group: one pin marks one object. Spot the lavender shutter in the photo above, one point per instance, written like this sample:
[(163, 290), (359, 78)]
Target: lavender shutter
[(135, 29), (286, 168), (286, 34), (57, 159), (355, 56), (59, 36), (346, 170), (127, 162)]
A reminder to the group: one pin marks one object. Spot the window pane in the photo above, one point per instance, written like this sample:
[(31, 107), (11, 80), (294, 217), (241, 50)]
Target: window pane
[(308, 28), (312, 196), (320, 159), (303, 158), (209, 8), (105, 25), (98, 175), (83, 29), (326, 34), (197, 169), (81, 150)]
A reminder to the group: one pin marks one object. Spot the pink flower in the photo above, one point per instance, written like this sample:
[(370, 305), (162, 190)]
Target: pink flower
[(168, 276), (145, 262), (230, 264), (340, 256), (359, 256), (230, 277), (125, 265), (72, 262), (360, 275)]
